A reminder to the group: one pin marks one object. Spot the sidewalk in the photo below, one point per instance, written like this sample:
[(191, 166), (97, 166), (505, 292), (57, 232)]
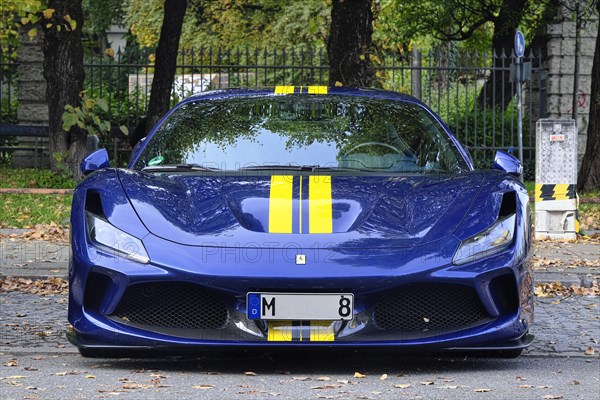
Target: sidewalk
[(567, 263)]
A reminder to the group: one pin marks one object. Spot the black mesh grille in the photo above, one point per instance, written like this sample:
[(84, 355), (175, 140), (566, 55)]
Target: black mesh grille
[(172, 305), (429, 308)]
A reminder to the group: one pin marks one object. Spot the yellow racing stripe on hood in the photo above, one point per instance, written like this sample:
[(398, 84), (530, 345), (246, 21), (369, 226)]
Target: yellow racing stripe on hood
[(319, 195), (280, 204)]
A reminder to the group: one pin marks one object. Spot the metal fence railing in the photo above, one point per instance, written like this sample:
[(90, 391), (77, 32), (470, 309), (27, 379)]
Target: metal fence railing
[(452, 83)]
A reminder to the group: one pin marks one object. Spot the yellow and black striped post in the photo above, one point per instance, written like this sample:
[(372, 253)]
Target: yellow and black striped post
[(555, 191)]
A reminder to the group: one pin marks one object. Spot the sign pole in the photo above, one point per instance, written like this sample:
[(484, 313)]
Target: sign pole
[(519, 52)]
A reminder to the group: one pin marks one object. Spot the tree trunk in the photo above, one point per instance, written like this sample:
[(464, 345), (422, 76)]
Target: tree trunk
[(497, 90), (63, 71), (166, 61), (589, 175), (349, 44)]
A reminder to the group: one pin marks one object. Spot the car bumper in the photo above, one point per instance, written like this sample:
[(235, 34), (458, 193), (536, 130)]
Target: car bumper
[(499, 289)]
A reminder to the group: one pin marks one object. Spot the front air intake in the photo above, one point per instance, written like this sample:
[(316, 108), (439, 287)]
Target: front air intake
[(171, 305), (429, 309)]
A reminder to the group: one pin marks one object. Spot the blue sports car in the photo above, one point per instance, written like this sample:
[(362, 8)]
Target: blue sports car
[(300, 216)]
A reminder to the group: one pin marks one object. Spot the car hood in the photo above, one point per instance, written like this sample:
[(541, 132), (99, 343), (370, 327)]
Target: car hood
[(331, 211)]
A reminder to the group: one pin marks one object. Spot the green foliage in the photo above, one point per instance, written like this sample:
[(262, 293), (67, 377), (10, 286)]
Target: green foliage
[(100, 14), (14, 14), (401, 24), (89, 117), (228, 24)]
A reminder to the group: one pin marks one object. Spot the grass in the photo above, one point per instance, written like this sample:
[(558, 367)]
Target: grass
[(27, 210), (34, 178)]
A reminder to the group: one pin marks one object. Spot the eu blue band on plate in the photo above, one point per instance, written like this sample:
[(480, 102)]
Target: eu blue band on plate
[(253, 306)]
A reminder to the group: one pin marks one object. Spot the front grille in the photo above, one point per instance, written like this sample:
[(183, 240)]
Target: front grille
[(172, 305), (433, 308)]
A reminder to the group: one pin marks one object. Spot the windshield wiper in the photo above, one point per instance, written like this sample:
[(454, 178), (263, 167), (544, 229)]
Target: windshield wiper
[(312, 168), (178, 167), (279, 167)]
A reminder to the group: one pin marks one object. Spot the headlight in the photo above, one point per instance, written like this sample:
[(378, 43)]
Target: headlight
[(487, 242), (107, 237)]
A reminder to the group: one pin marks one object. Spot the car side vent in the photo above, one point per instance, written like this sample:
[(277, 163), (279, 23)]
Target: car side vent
[(508, 205), (93, 203)]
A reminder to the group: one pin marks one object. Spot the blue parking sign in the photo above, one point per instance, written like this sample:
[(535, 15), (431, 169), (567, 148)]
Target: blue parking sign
[(519, 44)]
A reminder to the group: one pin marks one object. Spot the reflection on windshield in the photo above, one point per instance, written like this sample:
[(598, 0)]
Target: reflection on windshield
[(331, 132)]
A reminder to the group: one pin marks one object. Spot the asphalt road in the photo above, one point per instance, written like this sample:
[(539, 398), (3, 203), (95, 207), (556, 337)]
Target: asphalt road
[(36, 361), (299, 376)]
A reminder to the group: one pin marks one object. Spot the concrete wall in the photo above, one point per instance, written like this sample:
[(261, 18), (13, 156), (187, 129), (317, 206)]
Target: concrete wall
[(33, 109), (561, 71)]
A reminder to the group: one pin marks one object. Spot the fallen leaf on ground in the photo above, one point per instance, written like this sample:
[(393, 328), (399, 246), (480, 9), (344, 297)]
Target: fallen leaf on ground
[(482, 390), (333, 386), (48, 286), (90, 376), (590, 351), (552, 397), (250, 373), (383, 377), (136, 386), (402, 385), (426, 383), (203, 387), (300, 378), (324, 379), (358, 375)]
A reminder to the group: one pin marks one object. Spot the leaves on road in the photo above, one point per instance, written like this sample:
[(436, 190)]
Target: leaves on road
[(44, 287), (358, 375), (52, 233), (558, 289)]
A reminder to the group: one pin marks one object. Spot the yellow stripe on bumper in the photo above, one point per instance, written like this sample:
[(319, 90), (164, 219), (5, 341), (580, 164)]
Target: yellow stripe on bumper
[(321, 331), (320, 214), (280, 331), (287, 331), (280, 204)]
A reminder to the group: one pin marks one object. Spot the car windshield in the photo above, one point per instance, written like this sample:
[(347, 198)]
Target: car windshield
[(304, 132)]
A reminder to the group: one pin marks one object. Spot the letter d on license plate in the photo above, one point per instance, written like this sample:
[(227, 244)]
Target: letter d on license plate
[(300, 306)]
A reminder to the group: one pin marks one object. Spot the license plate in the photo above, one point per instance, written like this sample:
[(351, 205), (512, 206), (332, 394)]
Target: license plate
[(300, 306)]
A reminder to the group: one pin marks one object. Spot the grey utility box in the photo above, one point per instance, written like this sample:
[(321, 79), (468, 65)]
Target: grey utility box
[(556, 180)]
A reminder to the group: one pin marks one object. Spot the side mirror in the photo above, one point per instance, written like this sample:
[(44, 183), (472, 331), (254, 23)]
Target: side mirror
[(95, 161), (507, 163)]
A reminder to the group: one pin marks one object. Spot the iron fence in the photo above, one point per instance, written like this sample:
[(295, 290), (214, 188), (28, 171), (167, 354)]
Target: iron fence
[(452, 83)]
